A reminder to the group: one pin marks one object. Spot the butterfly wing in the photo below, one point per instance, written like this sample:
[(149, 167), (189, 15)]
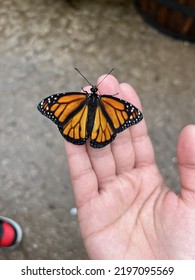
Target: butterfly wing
[(69, 112), (121, 113), (113, 115), (102, 133)]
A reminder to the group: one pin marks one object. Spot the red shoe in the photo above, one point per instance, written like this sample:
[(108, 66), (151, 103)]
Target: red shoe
[(10, 233)]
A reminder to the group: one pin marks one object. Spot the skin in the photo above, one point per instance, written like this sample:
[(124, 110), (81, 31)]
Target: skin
[(125, 210)]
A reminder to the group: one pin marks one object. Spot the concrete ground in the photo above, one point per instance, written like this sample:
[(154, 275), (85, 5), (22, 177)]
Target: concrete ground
[(40, 44)]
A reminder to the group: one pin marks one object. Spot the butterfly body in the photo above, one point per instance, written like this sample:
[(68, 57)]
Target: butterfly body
[(83, 115)]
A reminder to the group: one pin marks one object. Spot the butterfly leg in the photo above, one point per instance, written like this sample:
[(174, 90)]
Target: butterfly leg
[(84, 90)]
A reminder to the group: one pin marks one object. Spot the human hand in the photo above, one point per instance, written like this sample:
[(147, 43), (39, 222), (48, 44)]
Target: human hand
[(125, 210)]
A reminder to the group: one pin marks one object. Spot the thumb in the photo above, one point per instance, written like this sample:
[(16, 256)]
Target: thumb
[(186, 163)]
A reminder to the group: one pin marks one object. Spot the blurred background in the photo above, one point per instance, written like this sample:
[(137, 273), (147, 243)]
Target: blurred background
[(40, 44)]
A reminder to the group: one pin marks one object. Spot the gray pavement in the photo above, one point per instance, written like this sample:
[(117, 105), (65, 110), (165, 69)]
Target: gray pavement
[(40, 44)]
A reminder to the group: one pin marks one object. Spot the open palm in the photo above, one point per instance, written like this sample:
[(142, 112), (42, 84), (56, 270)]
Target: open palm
[(125, 210)]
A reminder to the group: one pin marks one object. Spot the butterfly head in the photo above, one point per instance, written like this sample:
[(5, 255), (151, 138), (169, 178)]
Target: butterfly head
[(94, 89)]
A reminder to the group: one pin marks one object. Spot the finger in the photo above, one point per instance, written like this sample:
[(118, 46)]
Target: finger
[(83, 178), (143, 149), (102, 162), (186, 163), (122, 147)]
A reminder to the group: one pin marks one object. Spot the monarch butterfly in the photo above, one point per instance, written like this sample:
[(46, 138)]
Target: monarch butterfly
[(83, 115)]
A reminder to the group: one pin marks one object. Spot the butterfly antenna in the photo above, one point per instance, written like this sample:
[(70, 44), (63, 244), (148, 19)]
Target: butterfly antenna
[(106, 76), (83, 76)]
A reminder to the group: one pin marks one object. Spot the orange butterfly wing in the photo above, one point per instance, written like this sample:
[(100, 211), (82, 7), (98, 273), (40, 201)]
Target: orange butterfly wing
[(121, 113), (102, 133), (69, 111), (113, 115)]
